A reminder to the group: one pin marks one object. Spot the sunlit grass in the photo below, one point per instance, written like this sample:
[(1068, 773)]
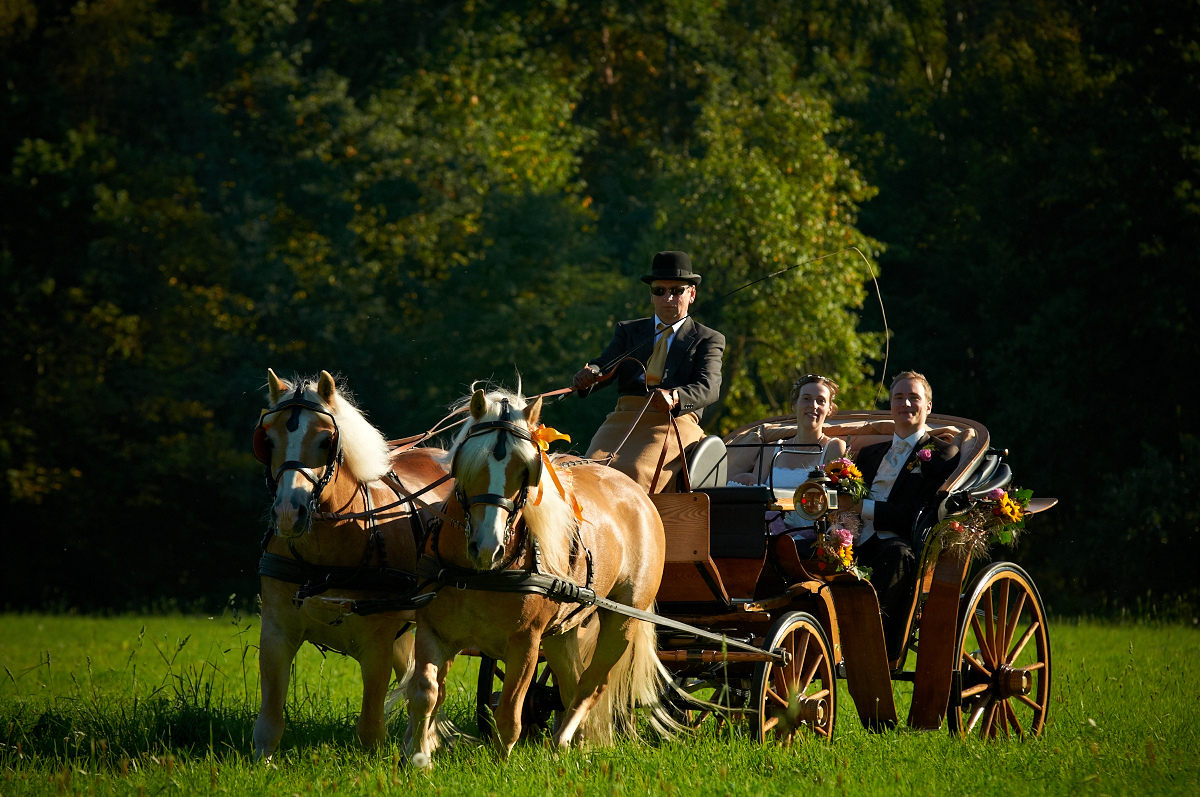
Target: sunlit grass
[(165, 704)]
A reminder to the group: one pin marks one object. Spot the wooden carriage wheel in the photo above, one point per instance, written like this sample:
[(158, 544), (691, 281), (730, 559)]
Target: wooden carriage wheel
[(541, 701), (1003, 657), (801, 694)]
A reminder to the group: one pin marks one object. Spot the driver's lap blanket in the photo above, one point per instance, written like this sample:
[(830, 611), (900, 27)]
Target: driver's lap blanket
[(638, 458)]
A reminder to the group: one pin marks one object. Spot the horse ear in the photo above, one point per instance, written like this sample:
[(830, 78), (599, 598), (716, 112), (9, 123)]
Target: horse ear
[(478, 404), (326, 388), (277, 387), (533, 412)]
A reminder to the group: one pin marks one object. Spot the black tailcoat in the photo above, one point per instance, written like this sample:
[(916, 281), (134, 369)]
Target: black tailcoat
[(915, 485), (693, 365)]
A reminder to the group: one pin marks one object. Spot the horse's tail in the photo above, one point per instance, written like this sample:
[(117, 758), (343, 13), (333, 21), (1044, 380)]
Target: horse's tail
[(638, 680), (404, 664)]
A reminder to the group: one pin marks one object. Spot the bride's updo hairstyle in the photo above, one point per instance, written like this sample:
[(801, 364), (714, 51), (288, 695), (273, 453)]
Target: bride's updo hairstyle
[(808, 379)]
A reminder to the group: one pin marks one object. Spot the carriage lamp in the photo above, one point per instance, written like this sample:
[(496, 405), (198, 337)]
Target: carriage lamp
[(815, 497)]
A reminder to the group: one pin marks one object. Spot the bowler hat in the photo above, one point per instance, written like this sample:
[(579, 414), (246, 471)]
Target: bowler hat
[(672, 266)]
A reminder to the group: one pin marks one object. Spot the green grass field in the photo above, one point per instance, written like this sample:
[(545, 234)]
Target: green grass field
[(164, 705)]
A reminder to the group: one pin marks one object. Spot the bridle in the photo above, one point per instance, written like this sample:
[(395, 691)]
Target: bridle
[(503, 428), (263, 445)]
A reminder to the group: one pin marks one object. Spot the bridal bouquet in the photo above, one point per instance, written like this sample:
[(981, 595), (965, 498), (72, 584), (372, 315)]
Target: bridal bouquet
[(847, 478), (836, 549)]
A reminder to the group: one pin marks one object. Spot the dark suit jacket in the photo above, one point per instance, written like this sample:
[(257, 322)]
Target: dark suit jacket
[(693, 362), (913, 488)]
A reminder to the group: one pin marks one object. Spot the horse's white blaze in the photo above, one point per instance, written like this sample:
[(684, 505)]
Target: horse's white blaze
[(489, 533), (294, 488)]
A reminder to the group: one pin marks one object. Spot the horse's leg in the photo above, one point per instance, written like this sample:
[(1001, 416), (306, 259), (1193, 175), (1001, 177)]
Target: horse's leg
[(520, 667), (612, 642), (567, 655), (423, 695), (276, 649), (375, 662)]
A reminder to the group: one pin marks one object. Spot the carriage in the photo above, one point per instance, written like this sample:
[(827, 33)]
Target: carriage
[(977, 654), (743, 631)]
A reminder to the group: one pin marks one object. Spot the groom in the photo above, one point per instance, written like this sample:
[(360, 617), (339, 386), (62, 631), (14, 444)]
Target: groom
[(904, 475)]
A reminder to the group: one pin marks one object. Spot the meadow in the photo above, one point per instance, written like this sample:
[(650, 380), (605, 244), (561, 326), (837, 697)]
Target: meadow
[(149, 705)]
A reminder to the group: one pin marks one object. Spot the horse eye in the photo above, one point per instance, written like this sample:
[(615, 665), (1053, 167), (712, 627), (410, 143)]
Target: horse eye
[(324, 443)]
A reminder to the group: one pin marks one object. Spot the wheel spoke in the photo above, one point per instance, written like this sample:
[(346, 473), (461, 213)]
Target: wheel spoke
[(982, 640), (1024, 641), (1001, 618), (810, 671), (977, 713), (821, 731), (989, 625), (1012, 718), (773, 695), (770, 723), (817, 695), (801, 655), (1013, 619), (1027, 701), (1037, 665), (974, 662), (990, 721), (976, 690)]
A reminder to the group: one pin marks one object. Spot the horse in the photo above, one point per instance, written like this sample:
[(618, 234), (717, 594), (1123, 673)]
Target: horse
[(323, 456), (599, 529)]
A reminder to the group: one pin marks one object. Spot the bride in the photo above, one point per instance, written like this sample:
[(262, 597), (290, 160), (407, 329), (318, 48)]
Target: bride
[(813, 400)]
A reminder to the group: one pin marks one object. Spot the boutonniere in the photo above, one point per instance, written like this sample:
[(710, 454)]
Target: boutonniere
[(924, 454)]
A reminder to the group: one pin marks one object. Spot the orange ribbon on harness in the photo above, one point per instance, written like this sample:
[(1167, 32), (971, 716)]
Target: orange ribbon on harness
[(542, 437)]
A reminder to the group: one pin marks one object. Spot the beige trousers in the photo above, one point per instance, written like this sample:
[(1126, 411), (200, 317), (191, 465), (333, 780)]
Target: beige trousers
[(638, 458)]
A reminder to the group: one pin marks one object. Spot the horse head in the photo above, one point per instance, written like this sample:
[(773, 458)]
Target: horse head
[(494, 465), (304, 439)]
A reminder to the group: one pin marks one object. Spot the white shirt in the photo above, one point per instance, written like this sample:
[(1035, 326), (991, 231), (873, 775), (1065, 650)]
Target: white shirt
[(885, 479)]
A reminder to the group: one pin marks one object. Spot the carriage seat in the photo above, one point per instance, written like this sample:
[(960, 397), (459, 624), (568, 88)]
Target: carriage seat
[(858, 434), (707, 464)]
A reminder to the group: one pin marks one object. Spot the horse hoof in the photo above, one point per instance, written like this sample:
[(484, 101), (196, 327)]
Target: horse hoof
[(421, 760)]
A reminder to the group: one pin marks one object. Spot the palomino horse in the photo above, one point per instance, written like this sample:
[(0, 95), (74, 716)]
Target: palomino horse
[(509, 512), (322, 454)]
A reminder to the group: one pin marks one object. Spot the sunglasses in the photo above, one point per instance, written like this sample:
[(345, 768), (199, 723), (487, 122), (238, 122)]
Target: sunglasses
[(677, 290)]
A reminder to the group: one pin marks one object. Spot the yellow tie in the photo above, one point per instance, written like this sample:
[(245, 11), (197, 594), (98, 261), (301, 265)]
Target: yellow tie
[(658, 358)]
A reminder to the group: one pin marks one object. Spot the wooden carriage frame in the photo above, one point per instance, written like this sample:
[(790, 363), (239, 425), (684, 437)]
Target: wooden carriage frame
[(722, 573)]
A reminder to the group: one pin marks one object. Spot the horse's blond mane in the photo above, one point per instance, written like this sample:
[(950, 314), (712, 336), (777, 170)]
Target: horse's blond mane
[(364, 447), (552, 522)]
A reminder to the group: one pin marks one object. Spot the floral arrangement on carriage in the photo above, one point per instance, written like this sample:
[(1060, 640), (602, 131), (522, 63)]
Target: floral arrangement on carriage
[(998, 517), (817, 500)]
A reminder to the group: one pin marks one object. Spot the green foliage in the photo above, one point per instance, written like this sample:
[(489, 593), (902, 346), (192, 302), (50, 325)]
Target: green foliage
[(423, 194), (764, 192)]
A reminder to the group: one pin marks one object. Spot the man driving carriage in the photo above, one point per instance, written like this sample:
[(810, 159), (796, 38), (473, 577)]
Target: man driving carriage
[(904, 475), (668, 359)]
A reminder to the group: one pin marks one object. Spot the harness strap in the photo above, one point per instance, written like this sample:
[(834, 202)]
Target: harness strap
[(491, 499), (316, 579), (405, 498), (561, 590)]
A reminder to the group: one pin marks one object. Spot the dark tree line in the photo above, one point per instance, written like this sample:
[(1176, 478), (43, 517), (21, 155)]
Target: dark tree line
[(421, 194)]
